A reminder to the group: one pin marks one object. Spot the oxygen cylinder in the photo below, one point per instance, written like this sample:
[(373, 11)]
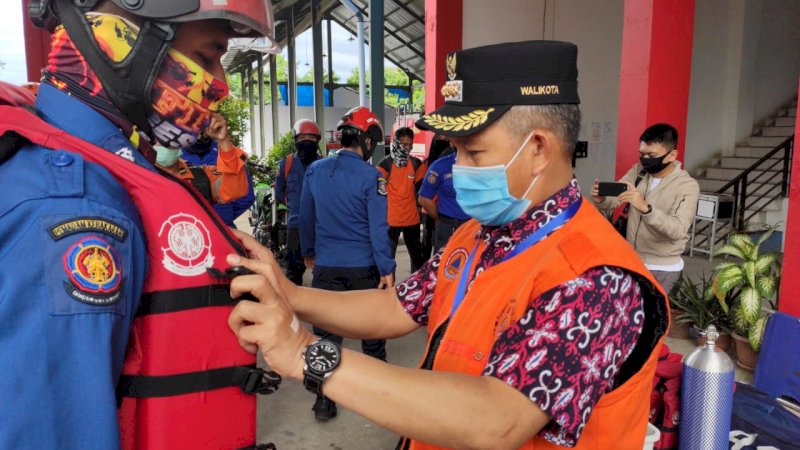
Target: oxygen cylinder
[(707, 386)]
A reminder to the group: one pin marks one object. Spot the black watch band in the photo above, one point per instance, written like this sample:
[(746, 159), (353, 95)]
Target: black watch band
[(321, 359)]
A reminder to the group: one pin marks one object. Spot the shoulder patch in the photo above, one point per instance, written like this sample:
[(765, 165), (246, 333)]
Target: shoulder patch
[(382, 186), (88, 225), (455, 262), (94, 272), (432, 176)]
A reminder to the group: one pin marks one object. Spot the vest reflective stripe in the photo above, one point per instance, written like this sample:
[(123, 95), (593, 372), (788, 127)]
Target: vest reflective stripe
[(184, 237), (619, 420)]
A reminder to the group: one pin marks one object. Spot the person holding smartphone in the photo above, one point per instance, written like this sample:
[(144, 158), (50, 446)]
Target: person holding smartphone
[(663, 202)]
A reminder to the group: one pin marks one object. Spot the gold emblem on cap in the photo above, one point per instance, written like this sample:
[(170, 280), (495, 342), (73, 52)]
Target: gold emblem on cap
[(460, 123), (451, 66), (452, 91)]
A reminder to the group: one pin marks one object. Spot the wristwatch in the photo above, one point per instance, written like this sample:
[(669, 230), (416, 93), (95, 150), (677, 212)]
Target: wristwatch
[(321, 359)]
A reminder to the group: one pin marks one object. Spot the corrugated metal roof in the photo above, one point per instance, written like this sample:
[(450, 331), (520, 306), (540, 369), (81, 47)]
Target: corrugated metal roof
[(404, 37)]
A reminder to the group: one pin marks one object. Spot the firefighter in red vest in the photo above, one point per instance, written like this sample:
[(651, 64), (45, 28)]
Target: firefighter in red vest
[(289, 188), (98, 245), (544, 327)]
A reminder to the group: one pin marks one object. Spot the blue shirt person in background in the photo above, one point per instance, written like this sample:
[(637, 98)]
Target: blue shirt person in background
[(438, 198), (289, 186), (343, 228), (204, 153)]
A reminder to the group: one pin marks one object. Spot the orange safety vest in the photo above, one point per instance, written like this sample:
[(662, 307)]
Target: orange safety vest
[(499, 297)]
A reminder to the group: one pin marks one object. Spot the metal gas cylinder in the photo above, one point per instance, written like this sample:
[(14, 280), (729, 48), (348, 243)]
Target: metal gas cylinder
[(707, 385)]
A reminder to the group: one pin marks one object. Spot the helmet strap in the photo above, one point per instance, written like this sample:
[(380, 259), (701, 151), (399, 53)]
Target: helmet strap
[(128, 83)]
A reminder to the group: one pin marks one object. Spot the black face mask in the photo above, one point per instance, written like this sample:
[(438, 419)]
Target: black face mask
[(368, 151), (307, 151), (654, 165)]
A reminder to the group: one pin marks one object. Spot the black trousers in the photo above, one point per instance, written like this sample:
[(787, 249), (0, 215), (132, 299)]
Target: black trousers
[(295, 267), (414, 246), (349, 279), (428, 233), (445, 227)]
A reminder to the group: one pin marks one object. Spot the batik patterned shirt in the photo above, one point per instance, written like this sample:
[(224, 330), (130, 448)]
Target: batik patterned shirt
[(566, 350)]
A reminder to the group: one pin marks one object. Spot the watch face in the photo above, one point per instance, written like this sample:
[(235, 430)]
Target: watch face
[(322, 357)]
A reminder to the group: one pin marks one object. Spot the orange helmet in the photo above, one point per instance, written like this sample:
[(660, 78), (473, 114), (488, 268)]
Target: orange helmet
[(306, 126), (32, 87)]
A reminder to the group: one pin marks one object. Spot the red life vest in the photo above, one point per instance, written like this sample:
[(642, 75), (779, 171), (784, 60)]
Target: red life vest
[(665, 400), (183, 370), (501, 296)]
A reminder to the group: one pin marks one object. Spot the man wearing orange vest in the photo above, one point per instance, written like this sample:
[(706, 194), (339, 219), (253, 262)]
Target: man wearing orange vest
[(544, 327)]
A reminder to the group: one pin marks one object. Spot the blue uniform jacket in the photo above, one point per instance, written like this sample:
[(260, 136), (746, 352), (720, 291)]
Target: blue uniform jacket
[(72, 266), (343, 214), (439, 181), (289, 189), (231, 210)]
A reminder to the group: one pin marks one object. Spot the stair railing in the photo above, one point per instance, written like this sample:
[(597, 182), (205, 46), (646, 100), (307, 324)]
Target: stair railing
[(748, 200)]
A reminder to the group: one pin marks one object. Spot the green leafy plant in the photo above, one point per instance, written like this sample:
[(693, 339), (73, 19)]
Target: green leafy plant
[(698, 304), (747, 285), (237, 114), (284, 147)]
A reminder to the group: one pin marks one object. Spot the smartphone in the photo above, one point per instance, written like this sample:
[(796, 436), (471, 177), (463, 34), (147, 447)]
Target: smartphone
[(611, 189)]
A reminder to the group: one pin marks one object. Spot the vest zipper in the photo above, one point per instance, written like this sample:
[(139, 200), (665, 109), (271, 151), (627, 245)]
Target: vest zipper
[(436, 340)]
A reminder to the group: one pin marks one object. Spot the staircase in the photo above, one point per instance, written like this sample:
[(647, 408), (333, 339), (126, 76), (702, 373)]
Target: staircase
[(754, 179)]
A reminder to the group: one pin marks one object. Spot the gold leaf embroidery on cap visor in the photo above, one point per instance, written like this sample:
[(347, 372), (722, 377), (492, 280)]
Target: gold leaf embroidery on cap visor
[(460, 123)]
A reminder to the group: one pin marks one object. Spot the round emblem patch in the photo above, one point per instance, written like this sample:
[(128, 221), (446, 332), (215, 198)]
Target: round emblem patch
[(432, 177), (455, 262), (94, 271), (382, 186), (188, 250)]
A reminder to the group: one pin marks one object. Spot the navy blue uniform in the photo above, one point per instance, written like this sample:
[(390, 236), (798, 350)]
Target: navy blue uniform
[(72, 265), (288, 190), (343, 214), (439, 182), (227, 211)]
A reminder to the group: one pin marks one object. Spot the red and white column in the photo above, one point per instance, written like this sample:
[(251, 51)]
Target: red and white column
[(655, 73)]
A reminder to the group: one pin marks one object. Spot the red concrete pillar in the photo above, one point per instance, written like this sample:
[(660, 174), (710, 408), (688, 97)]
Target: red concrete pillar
[(789, 300), (655, 73), (444, 20), (37, 46)]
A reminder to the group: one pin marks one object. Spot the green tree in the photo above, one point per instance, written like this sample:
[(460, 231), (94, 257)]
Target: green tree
[(308, 77), (236, 112), (393, 76)]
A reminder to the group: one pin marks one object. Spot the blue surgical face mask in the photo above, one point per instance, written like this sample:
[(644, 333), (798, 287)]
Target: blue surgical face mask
[(167, 157), (482, 192)]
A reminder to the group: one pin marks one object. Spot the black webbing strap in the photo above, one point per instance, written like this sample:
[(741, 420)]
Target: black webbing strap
[(249, 379), (182, 299), (268, 446)]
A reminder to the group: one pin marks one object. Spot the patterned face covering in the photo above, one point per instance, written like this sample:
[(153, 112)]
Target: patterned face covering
[(399, 154), (183, 97)]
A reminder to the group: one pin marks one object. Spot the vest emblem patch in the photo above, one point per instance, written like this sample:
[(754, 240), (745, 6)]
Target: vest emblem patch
[(188, 245), (455, 262)]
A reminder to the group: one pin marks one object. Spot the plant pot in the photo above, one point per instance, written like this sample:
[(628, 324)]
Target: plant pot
[(678, 330), (723, 342), (746, 357)]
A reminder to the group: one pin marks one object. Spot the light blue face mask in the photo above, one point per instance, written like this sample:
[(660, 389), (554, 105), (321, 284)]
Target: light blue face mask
[(166, 157), (482, 192)]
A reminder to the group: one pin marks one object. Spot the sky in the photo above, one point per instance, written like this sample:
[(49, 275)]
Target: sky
[(12, 47)]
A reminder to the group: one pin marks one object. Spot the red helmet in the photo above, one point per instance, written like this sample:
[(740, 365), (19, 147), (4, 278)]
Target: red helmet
[(248, 18), (306, 126), (365, 121), (15, 95)]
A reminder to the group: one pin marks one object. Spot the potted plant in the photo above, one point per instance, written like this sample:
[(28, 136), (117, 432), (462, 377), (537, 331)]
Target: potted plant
[(746, 289), (701, 308), (679, 302)]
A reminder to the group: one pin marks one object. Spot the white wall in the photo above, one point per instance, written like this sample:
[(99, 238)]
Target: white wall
[(344, 100), (778, 59), (597, 31), (745, 64)]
